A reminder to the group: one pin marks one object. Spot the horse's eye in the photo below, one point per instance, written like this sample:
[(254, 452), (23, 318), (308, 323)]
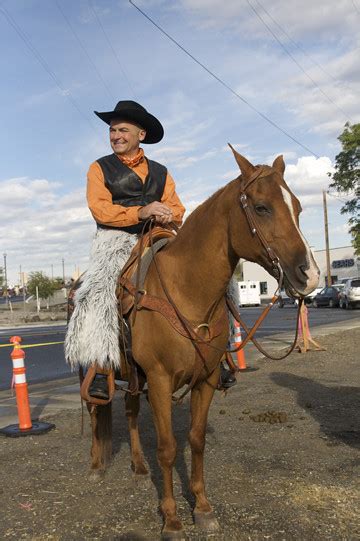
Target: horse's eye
[(261, 209)]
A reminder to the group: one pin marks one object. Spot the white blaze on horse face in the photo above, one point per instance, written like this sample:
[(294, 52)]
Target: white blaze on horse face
[(312, 271)]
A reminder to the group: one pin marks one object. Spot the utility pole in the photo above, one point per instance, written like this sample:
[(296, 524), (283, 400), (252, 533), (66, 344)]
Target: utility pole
[(5, 277), (63, 267), (22, 283), (328, 270), (52, 272)]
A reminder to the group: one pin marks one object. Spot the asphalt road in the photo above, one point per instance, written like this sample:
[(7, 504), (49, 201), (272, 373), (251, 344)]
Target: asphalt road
[(42, 363), (46, 362)]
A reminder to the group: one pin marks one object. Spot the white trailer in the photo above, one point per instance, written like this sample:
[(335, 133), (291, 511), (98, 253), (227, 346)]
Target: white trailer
[(249, 293)]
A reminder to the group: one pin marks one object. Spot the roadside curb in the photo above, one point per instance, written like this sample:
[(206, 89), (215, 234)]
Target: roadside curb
[(18, 325)]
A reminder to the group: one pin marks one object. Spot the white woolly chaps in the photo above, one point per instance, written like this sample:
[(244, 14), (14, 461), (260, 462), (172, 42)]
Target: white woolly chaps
[(93, 330)]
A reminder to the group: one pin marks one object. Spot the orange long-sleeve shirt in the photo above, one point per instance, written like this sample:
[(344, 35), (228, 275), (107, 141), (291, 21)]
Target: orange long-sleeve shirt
[(106, 213)]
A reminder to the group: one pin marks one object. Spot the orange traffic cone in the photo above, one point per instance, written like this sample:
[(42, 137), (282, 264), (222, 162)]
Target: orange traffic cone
[(305, 342), (26, 426), (240, 354), (21, 388)]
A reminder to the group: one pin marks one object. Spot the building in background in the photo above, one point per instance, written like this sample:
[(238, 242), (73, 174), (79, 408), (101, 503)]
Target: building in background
[(343, 264)]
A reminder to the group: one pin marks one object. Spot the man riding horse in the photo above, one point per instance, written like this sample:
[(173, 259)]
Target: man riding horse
[(124, 189)]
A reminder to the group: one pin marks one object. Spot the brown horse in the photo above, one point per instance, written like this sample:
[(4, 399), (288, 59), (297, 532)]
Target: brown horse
[(196, 268)]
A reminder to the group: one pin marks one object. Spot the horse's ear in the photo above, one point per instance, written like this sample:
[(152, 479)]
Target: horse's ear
[(246, 167), (279, 164)]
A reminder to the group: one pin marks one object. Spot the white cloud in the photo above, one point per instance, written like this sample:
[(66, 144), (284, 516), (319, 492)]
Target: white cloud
[(40, 226), (326, 108), (304, 17), (230, 174), (287, 155), (19, 193), (308, 176), (268, 76)]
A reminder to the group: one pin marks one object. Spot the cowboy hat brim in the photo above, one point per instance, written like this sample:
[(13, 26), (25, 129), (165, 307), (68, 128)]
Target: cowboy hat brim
[(153, 128)]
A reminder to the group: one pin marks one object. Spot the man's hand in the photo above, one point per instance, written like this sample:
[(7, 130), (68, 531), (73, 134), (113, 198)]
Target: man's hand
[(161, 212)]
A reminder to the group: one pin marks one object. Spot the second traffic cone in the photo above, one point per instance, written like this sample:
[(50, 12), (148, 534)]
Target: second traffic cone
[(240, 354), (305, 342)]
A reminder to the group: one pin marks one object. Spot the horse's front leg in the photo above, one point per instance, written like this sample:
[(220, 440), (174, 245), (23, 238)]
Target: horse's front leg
[(160, 392), (132, 407), (201, 397), (101, 448)]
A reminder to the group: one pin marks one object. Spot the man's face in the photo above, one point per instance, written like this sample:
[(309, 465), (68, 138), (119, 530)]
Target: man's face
[(125, 138)]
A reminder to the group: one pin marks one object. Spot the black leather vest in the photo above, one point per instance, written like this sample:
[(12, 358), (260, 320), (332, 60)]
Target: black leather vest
[(127, 188)]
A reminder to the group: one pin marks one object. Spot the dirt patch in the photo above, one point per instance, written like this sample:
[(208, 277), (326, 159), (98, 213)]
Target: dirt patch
[(21, 314), (292, 479)]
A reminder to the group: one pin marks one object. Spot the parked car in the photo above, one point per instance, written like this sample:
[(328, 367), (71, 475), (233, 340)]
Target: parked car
[(285, 300), (328, 296), (350, 294), (309, 298)]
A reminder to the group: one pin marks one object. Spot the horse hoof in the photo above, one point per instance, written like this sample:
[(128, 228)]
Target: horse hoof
[(139, 469), (206, 521), (95, 476), (177, 535)]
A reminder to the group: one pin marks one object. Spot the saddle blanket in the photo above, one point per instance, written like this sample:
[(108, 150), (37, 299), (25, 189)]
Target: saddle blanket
[(93, 330)]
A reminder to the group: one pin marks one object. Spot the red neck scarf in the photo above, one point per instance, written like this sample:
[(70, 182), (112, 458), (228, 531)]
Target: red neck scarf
[(133, 162)]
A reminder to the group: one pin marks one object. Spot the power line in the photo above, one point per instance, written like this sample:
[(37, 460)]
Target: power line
[(265, 117), (45, 66), (296, 62), (111, 47), (84, 50), (336, 196), (298, 46)]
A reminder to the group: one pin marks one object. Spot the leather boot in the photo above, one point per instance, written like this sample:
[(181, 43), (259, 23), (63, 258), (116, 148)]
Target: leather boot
[(227, 378), (99, 387)]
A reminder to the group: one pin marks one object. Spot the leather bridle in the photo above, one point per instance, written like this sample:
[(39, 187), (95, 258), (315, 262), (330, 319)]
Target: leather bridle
[(277, 270), (255, 228)]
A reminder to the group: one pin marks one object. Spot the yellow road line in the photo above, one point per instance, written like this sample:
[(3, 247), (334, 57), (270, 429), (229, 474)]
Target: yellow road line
[(31, 345), (45, 344)]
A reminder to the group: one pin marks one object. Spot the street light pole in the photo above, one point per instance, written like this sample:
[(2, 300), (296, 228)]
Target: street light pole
[(328, 269)]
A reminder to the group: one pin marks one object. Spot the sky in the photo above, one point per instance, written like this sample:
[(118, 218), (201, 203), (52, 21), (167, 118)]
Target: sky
[(269, 77)]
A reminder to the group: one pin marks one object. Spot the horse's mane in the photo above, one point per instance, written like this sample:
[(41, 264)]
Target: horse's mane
[(203, 208)]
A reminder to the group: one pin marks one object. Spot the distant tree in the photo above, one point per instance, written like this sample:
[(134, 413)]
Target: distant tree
[(45, 285), (59, 282), (347, 176), (1, 276)]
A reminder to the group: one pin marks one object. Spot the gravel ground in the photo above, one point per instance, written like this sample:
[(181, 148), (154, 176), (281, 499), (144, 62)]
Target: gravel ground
[(282, 462)]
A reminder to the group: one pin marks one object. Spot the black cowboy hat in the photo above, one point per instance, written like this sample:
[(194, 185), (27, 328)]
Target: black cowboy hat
[(134, 112)]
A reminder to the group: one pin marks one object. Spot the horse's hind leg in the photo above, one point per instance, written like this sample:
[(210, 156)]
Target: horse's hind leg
[(201, 397), (132, 407), (160, 401), (101, 448)]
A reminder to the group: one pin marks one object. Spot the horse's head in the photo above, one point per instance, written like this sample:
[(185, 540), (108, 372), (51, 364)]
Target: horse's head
[(273, 211)]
